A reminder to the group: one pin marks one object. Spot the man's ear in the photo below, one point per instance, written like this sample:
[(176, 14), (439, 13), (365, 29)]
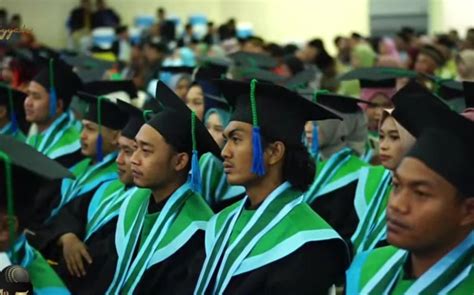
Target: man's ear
[(181, 161), (3, 112), (60, 105), (275, 152), (468, 212)]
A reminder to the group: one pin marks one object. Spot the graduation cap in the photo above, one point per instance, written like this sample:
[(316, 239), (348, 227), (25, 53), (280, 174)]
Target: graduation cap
[(136, 119), (417, 109), (177, 69), (103, 112), (378, 75), (87, 67), (300, 80), (215, 101), (340, 103), (448, 152), (60, 81), (111, 89), (211, 68), (249, 73), (13, 100), (468, 88), (273, 110), (255, 60), (181, 128), (22, 170)]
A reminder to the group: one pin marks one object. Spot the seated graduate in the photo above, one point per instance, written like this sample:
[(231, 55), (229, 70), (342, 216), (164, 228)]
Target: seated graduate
[(261, 244), (102, 123), (430, 215), (89, 234), (215, 188), (332, 192), (160, 236), (49, 96), (12, 114), (22, 164)]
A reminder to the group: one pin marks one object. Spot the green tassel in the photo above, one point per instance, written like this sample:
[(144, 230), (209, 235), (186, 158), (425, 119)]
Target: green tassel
[(10, 201), (258, 166), (196, 184)]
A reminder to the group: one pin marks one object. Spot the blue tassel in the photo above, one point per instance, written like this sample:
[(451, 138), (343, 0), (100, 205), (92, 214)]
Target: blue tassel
[(53, 101), (100, 154), (315, 142), (258, 167), (195, 173), (14, 122)]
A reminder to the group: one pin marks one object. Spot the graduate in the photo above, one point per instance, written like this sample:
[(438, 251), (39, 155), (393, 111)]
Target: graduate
[(430, 217), (160, 236), (91, 236), (215, 188), (21, 162), (49, 95), (99, 143), (374, 185), (12, 114), (332, 192), (261, 244)]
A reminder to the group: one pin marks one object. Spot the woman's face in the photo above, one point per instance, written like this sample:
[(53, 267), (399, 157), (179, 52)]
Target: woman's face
[(391, 147), (374, 113), (216, 129), (195, 100), (182, 88)]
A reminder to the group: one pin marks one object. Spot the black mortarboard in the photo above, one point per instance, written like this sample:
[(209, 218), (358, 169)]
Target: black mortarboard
[(255, 60), (249, 73), (215, 101), (103, 112), (417, 109), (468, 93), (181, 129), (448, 152), (107, 87), (340, 103), (87, 67), (300, 80), (275, 111), (452, 94), (211, 68), (135, 119), (23, 168), (60, 81), (13, 100), (377, 77), (177, 69)]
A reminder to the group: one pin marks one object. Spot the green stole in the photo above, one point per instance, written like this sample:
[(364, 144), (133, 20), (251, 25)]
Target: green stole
[(61, 138), (17, 134), (106, 202), (373, 188), (381, 271), (88, 177), (182, 216), (243, 242), (43, 278), (215, 188), (338, 171)]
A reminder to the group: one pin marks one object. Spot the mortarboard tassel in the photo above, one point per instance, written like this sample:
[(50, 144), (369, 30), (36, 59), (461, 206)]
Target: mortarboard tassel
[(195, 171), (315, 141), (53, 98), (10, 206), (100, 140), (13, 119), (258, 166)]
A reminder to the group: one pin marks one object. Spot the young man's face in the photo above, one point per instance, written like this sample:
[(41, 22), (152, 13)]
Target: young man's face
[(37, 103), (154, 162), (425, 64), (89, 135), (425, 212), (238, 153), (124, 163)]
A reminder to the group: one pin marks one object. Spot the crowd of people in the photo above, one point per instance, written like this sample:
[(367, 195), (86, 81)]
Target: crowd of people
[(215, 164)]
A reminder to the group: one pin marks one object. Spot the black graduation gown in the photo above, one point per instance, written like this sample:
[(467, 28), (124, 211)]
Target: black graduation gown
[(101, 247), (72, 218), (71, 159), (337, 209), (312, 269)]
